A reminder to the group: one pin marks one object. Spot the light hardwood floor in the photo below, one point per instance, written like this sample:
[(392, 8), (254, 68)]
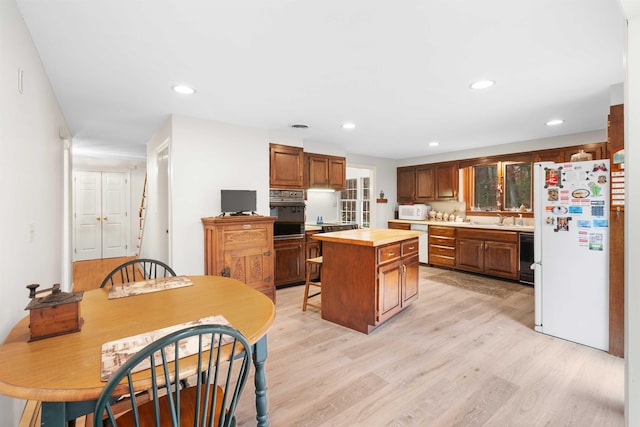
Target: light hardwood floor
[(89, 274), (453, 358)]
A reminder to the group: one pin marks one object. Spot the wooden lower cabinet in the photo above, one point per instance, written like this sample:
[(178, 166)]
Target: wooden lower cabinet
[(241, 247), (488, 252), (399, 225), (442, 246), (289, 261), (397, 285)]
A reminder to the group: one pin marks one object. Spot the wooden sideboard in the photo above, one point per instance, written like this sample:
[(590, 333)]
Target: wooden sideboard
[(241, 247)]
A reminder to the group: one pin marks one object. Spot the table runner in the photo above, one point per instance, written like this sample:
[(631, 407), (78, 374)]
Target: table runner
[(117, 352), (147, 286)]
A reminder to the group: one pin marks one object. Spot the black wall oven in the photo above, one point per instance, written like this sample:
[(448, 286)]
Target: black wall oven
[(288, 208)]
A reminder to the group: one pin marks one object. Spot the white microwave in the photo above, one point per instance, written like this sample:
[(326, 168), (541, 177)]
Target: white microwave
[(413, 212)]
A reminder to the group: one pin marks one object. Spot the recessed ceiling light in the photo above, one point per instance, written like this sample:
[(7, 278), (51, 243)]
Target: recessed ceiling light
[(482, 84), (183, 89), (555, 122), (434, 144), (299, 126), (348, 126)]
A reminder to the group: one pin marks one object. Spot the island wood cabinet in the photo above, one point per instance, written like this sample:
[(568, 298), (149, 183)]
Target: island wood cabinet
[(322, 171), (428, 183), (368, 276), (289, 261), (241, 247), (286, 164), (398, 273), (488, 252), (442, 246)]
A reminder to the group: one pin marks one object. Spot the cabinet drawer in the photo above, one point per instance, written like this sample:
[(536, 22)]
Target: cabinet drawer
[(442, 231), (442, 241), (497, 236), (388, 253), (441, 260), (442, 250), (410, 247)]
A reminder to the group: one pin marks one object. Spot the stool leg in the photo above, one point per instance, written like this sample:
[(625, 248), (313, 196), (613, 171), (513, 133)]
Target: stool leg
[(306, 287)]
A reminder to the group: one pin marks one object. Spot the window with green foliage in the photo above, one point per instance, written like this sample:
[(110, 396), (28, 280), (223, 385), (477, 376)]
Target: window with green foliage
[(501, 186), (517, 185)]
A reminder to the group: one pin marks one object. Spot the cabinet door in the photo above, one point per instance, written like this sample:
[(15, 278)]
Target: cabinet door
[(406, 182), (425, 183), (501, 259), (446, 181), (399, 225), (285, 166), (289, 261), (337, 173), (411, 279), (316, 171), (389, 290), (470, 254), (253, 266)]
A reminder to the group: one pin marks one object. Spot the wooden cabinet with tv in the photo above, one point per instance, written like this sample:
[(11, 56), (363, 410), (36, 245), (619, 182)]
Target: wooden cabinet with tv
[(241, 247)]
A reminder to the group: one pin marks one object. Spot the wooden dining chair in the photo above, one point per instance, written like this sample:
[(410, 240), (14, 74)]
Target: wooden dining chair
[(219, 373), (137, 270)]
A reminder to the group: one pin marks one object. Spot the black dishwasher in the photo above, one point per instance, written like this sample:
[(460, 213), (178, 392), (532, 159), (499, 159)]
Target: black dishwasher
[(526, 258)]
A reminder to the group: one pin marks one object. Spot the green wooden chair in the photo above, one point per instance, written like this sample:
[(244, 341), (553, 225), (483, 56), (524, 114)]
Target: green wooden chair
[(137, 270), (220, 375)]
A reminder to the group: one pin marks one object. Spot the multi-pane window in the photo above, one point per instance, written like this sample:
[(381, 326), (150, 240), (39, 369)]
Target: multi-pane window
[(354, 202), (502, 186)]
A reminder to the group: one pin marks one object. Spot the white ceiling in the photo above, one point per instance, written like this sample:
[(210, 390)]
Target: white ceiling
[(399, 69)]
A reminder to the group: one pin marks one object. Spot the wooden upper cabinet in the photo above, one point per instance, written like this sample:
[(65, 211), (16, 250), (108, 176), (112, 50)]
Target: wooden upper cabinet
[(598, 150), (322, 171), (426, 183), (446, 181), (285, 166), (406, 183)]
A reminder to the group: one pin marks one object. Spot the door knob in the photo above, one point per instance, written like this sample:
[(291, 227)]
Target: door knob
[(98, 218), (104, 217)]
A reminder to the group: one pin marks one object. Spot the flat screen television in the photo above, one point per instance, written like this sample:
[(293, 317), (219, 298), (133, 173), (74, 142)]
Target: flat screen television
[(238, 202)]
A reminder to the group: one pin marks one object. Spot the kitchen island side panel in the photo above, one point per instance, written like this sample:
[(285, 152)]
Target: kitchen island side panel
[(349, 285)]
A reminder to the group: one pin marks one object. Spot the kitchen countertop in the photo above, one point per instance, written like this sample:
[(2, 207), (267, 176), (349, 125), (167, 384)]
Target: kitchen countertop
[(367, 236), (505, 227)]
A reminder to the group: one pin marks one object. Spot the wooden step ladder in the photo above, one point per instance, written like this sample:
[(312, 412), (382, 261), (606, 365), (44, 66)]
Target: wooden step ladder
[(142, 212)]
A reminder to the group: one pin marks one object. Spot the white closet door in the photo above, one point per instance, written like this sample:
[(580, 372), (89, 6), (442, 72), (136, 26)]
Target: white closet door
[(88, 215), (101, 220), (114, 215)]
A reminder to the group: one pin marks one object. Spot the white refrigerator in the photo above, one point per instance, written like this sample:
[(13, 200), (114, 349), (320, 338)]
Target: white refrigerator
[(571, 252)]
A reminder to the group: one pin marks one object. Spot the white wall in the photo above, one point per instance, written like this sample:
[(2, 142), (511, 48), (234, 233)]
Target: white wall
[(31, 183), (137, 170), (205, 157)]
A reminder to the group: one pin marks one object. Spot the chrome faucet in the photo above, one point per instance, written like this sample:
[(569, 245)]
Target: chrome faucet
[(501, 219)]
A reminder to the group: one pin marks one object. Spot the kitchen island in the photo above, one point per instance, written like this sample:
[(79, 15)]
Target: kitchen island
[(368, 275)]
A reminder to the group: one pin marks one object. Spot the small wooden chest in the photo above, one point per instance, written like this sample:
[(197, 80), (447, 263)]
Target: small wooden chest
[(55, 314)]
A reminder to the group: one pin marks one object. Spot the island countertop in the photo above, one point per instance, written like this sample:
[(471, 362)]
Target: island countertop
[(367, 236)]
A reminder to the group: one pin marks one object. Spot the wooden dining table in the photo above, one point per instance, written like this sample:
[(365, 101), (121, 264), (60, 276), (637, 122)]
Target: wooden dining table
[(63, 372)]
